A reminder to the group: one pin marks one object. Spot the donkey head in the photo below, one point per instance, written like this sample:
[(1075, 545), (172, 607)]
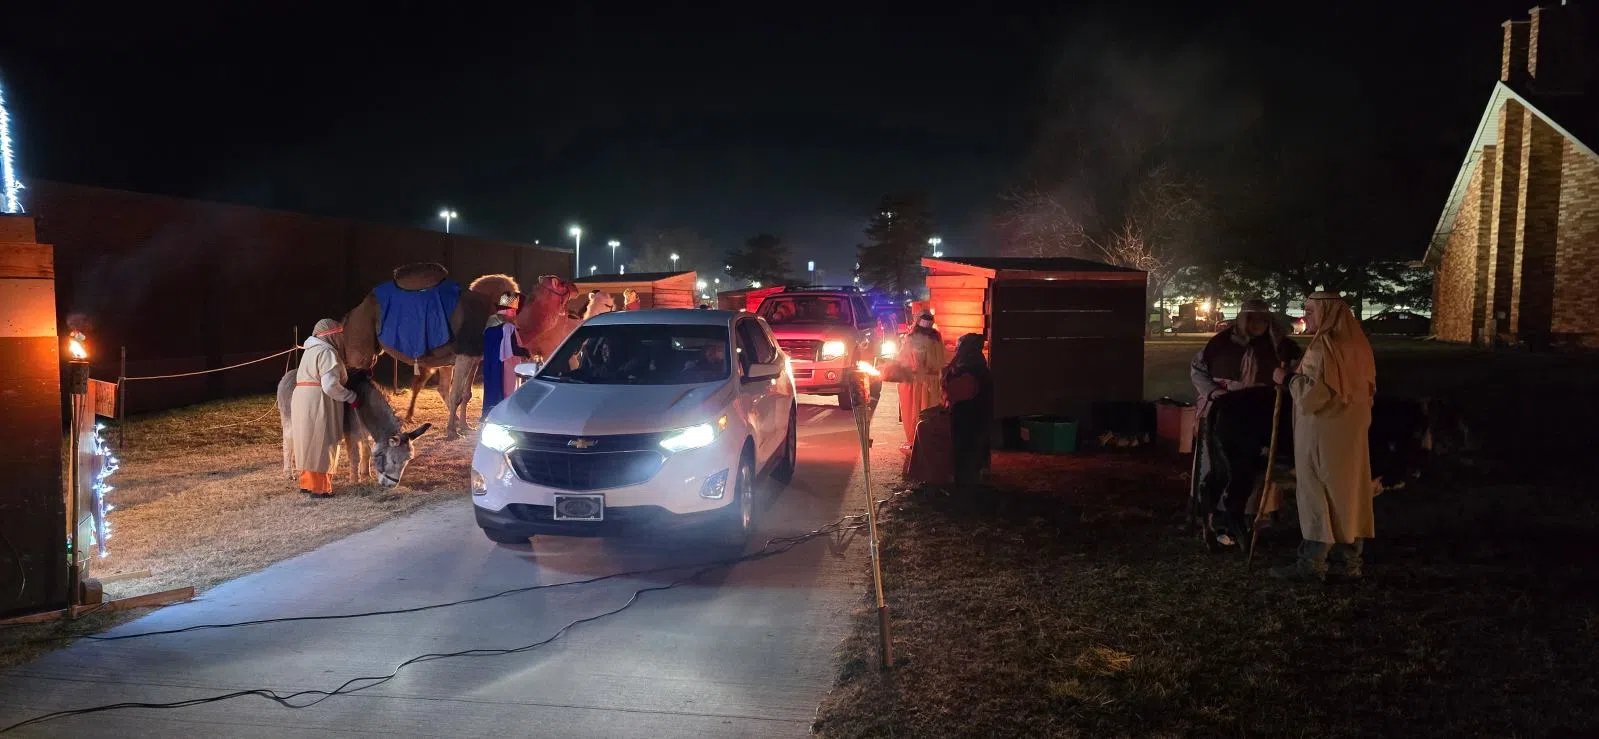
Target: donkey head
[(389, 458)]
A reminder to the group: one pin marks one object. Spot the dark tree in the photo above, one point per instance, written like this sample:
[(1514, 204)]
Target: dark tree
[(653, 250), (896, 239), (764, 259)]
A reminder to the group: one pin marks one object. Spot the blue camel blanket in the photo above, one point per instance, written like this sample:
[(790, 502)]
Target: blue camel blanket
[(415, 322)]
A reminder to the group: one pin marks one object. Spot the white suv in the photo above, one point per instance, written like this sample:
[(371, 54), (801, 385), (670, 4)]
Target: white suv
[(640, 419)]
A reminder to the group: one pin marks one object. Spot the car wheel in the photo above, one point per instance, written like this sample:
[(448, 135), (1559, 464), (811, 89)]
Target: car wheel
[(784, 472), (500, 536), (738, 521)]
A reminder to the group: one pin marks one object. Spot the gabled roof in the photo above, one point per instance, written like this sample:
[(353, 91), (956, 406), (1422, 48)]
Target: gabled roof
[(1572, 110), (1031, 268)]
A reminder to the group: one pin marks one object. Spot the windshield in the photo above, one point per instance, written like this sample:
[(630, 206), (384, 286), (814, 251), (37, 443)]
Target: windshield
[(805, 309), (641, 355)]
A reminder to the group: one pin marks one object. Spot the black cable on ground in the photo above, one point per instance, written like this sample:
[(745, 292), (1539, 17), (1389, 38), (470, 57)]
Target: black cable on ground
[(772, 548)]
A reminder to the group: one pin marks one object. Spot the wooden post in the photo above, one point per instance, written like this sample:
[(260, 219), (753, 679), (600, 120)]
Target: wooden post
[(122, 401), (31, 512)]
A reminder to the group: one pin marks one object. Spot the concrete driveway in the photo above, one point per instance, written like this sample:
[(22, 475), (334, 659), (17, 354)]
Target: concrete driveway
[(744, 651)]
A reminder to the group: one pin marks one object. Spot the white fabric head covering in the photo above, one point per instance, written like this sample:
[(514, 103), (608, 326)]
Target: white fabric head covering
[(327, 327), (1348, 367)]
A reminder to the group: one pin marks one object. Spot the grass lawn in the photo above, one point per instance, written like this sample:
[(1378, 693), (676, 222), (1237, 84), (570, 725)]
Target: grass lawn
[(1068, 601), (201, 499)]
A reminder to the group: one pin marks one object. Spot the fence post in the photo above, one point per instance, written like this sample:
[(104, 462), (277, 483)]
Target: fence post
[(288, 366), (122, 401)]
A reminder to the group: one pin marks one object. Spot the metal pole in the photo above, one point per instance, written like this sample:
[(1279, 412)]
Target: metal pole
[(885, 643)]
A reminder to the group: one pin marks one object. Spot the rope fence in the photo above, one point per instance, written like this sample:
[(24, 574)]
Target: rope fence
[(123, 379), (290, 350)]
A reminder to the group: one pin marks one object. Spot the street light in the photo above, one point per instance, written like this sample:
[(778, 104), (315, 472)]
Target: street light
[(613, 243), (593, 268), (934, 242), (674, 261), (448, 216), (699, 285), (756, 284), (811, 268), (576, 232)]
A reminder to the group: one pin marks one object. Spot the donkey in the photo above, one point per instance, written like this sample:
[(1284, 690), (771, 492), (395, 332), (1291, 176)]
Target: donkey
[(374, 419), (467, 323)]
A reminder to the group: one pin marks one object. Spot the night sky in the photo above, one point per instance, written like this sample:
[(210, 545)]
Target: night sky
[(733, 120)]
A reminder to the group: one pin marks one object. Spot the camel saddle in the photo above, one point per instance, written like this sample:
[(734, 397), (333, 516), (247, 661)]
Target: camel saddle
[(420, 276)]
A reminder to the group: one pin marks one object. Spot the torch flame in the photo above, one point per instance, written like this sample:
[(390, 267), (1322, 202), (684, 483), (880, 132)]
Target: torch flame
[(76, 349), (866, 368)]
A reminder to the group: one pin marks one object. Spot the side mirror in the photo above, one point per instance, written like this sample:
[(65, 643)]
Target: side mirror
[(527, 369), (762, 371)]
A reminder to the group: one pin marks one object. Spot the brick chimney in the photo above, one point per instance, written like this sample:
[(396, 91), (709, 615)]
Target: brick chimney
[(1513, 60), (1558, 56)]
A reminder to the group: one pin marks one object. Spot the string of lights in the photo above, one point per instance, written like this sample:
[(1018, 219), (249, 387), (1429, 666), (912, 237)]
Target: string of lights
[(108, 465), (10, 185)]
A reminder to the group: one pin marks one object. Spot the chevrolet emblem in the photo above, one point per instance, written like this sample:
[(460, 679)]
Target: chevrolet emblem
[(581, 443)]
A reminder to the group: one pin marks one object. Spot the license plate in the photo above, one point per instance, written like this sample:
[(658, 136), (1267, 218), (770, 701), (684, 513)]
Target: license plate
[(579, 508)]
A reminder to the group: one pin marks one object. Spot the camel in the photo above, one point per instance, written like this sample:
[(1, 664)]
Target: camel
[(467, 323), (363, 426)]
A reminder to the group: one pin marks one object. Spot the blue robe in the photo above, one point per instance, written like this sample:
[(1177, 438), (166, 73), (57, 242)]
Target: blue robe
[(494, 359)]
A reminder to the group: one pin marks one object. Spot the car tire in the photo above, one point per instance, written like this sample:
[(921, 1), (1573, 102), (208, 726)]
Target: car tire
[(501, 536), (784, 472), (738, 518)]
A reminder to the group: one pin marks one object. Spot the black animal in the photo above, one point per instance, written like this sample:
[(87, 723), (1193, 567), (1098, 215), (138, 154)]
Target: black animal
[(1237, 432)]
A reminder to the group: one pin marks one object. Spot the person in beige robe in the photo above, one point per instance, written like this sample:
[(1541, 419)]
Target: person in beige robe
[(1333, 390), (316, 415), (923, 357)]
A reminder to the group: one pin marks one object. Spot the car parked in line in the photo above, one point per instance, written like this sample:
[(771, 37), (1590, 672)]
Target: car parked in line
[(641, 419), (1398, 323), (826, 333)]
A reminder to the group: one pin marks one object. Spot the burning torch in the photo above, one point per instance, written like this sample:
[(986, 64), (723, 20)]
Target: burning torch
[(78, 392)]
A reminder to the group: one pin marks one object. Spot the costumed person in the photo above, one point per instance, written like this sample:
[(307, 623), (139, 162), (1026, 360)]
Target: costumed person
[(501, 353), (1238, 358), (630, 300), (923, 361), (969, 389), (1333, 390), (317, 408)]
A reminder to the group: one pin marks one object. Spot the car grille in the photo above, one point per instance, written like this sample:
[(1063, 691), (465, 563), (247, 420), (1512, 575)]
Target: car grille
[(803, 349), (585, 470)]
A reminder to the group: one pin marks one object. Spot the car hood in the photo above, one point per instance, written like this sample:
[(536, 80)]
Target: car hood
[(594, 410)]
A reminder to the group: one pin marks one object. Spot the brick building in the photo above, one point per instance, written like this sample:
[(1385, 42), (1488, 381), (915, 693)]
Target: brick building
[(1516, 252)]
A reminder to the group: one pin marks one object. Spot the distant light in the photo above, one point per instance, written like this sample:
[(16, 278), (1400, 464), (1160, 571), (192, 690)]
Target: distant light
[(935, 241), (447, 213), (810, 266), (673, 257), (938, 254), (613, 243), (574, 231), (756, 284), (699, 285), (592, 269)]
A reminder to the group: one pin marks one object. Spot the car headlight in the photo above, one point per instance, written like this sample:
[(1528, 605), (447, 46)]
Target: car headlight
[(834, 350), (496, 437), (887, 349), (693, 437)]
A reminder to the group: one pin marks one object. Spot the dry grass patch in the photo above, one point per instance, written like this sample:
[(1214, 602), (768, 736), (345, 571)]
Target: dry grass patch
[(1080, 608), (202, 499)]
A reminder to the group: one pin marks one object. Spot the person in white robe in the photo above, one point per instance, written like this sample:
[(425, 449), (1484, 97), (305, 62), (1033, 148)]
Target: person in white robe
[(317, 409), (1333, 390)]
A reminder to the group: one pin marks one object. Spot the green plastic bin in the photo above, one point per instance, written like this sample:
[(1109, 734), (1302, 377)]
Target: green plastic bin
[(1050, 434)]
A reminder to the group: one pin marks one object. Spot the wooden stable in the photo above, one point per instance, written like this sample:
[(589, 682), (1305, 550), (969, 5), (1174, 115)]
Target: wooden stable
[(33, 518), (1062, 334), (655, 289)]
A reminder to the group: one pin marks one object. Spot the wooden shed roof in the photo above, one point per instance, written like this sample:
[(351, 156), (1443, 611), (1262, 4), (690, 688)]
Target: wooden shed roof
[(639, 279), (1030, 268)]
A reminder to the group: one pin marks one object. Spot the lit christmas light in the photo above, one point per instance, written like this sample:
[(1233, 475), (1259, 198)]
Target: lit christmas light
[(10, 186), (102, 490)]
